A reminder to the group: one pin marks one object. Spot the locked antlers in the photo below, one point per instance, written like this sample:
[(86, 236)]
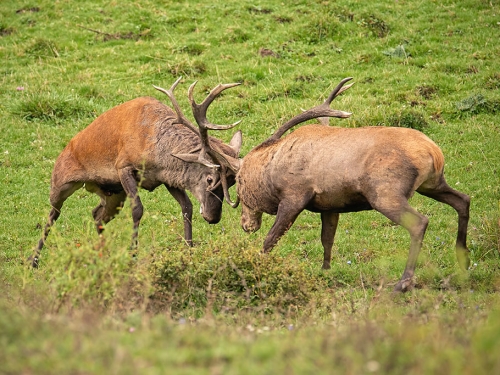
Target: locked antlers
[(208, 156), (200, 115)]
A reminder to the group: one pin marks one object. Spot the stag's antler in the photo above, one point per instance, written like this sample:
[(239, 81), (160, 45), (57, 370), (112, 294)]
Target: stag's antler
[(181, 119), (200, 115), (208, 156), (322, 110)]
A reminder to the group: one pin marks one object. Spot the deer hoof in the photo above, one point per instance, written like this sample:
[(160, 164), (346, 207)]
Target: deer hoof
[(34, 261), (404, 285)]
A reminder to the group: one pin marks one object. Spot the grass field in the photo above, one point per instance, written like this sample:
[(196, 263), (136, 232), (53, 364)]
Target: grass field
[(221, 307)]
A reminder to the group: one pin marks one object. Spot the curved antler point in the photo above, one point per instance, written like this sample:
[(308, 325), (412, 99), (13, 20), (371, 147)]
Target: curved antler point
[(190, 91)]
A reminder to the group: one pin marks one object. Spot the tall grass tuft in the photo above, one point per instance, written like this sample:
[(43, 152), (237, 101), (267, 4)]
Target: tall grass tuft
[(53, 106), (408, 119), (98, 274), (43, 48), (227, 282)]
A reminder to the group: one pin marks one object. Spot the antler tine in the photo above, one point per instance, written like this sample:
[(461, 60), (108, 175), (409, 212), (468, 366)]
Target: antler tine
[(225, 189), (181, 119), (200, 110), (207, 156), (339, 89), (322, 110), (200, 115)]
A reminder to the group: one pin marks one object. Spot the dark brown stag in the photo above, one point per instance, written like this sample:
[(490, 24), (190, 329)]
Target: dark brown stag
[(335, 170), (144, 143)]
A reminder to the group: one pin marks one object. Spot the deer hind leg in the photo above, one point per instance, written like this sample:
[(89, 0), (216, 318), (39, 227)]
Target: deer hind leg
[(187, 211), (129, 183), (109, 207), (399, 211), (461, 203), (329, 222), (58, 195)]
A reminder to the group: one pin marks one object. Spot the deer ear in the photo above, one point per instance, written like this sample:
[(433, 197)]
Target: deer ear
[(190, 158), (233, 164), (236, 142)]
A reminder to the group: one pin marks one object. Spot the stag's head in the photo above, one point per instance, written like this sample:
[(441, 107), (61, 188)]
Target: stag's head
[(215, 180), (217, 162)]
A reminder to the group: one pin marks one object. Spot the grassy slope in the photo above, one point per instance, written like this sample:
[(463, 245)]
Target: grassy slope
[(70, 74)]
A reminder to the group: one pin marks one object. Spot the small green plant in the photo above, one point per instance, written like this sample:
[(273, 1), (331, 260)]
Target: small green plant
[(194, 49), (318, 29), (240, 280), (99, 273), (408, 119), (475, 104), (490, 235), (398, 52)]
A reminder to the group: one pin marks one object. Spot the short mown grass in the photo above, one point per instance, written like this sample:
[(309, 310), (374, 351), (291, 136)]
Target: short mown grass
[(222, 307)]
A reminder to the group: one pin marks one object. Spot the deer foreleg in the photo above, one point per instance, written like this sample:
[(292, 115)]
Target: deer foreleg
[(187, 212), (288, 211), (129, 184)]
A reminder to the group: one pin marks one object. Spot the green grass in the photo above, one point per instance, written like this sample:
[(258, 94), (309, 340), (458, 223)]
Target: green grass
[(221, 307)]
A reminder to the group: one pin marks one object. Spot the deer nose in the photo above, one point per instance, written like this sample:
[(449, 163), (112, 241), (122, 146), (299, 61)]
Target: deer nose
[(210, 215)]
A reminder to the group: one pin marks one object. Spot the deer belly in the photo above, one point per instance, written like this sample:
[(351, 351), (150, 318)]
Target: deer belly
[(339, 201)]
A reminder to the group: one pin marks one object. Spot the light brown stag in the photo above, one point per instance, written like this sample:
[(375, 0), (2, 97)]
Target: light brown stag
[(334, 170), (144, 143)]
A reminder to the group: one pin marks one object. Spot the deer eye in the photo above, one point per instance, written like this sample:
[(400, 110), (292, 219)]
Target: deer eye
[(210, 180)]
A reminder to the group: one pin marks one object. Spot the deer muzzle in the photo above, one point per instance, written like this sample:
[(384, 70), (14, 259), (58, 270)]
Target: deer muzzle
[(250, 220)]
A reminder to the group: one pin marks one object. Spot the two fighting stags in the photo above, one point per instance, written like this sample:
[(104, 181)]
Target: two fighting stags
[(329, 170)]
